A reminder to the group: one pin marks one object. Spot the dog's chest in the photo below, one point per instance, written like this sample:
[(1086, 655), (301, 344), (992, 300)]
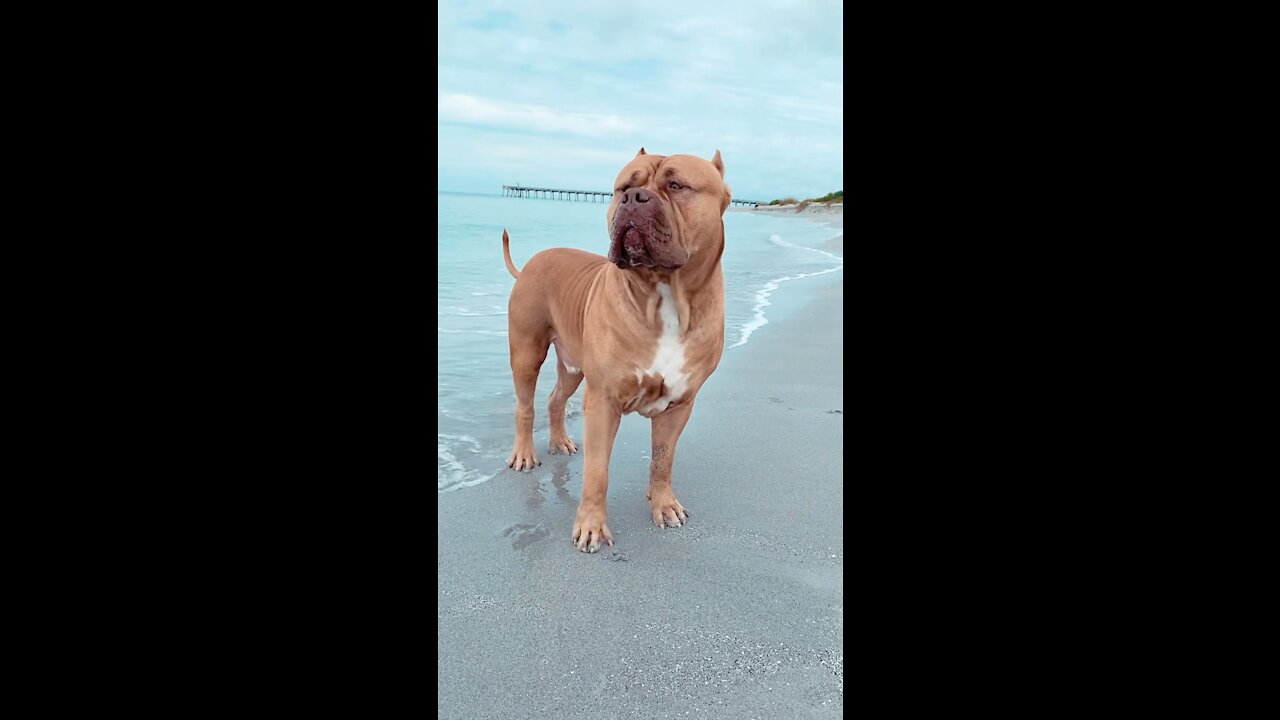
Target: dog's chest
[(664, 381)]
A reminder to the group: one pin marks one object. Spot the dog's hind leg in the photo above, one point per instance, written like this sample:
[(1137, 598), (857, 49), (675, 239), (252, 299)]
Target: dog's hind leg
[(527, 354), (566, 384)]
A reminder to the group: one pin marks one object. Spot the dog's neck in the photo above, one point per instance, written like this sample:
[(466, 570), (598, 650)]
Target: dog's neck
[(701, 266), (700, 275)]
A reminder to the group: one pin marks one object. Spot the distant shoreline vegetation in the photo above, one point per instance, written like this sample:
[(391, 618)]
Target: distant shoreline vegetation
[(833, 197)]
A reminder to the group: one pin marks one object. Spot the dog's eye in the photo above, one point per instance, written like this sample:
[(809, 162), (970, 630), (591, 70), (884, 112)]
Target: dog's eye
[(674, 185), (624, 188)]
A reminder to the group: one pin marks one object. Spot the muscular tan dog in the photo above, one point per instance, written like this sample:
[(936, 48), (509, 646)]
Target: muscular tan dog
[(645, 326)]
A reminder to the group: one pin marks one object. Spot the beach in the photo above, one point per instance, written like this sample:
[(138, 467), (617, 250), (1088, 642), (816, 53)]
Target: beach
[(832, 213), (739, 614)]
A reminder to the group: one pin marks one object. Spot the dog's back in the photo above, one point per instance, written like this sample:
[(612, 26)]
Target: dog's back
[(551, 292)]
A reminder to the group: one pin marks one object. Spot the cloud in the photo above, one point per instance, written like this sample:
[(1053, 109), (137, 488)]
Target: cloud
[(563, 93), (469, 109)]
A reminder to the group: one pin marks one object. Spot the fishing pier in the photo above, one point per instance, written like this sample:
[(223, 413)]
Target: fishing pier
[(579, 195)]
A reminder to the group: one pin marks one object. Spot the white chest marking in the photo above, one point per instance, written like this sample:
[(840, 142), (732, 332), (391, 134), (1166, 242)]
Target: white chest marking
[(669, 360)]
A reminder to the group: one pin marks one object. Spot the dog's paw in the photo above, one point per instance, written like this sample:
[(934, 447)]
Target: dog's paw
[(589, 530), (667, 511), (523, 459), (563, 445)]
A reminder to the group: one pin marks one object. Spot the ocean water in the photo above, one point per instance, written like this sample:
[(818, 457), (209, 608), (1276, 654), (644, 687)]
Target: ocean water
[(477, 398)]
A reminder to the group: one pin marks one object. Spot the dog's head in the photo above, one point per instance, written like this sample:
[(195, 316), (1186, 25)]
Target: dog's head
[(665, 209)]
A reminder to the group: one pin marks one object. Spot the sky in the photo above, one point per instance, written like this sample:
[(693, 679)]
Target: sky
[(563, 94)]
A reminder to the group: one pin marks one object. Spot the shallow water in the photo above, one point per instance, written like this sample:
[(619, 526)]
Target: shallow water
[(477, 398)]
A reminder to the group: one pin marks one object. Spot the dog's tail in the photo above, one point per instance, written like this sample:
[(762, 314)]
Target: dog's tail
[(506, 255)]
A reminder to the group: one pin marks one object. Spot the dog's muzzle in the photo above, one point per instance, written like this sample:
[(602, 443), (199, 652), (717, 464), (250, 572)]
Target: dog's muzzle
[(641, 234)]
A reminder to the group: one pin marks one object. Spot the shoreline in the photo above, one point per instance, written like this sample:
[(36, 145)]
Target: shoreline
[(829, 248), (734, 615), (470, 453), (830, 215)]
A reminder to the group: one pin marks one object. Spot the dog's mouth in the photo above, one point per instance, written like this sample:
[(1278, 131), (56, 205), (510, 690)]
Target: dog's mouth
[(635, 252), (641, 242)]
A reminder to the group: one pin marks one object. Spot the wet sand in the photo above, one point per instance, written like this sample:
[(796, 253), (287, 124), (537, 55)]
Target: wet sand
[(739, 614)]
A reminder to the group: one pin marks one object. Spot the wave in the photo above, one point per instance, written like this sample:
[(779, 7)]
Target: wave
[(478, 332), (762, 295), (777, 240), (469, 313), (454, 474)]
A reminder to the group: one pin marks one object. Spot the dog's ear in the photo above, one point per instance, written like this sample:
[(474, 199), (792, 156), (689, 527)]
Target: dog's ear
[(718, 163), (640, 153)]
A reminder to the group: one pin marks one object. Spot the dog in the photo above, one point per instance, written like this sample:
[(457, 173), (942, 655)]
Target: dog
[(644, 327)]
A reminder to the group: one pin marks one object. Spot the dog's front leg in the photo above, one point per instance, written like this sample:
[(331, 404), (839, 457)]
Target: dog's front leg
[(602, 420), (667, 427)]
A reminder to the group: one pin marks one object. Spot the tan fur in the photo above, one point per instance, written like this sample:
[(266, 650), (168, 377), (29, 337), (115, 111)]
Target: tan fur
[(605, 320), (506, 255)]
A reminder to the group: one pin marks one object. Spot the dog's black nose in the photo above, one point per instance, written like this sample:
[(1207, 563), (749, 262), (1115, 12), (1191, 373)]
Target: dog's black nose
[(637, 194)]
